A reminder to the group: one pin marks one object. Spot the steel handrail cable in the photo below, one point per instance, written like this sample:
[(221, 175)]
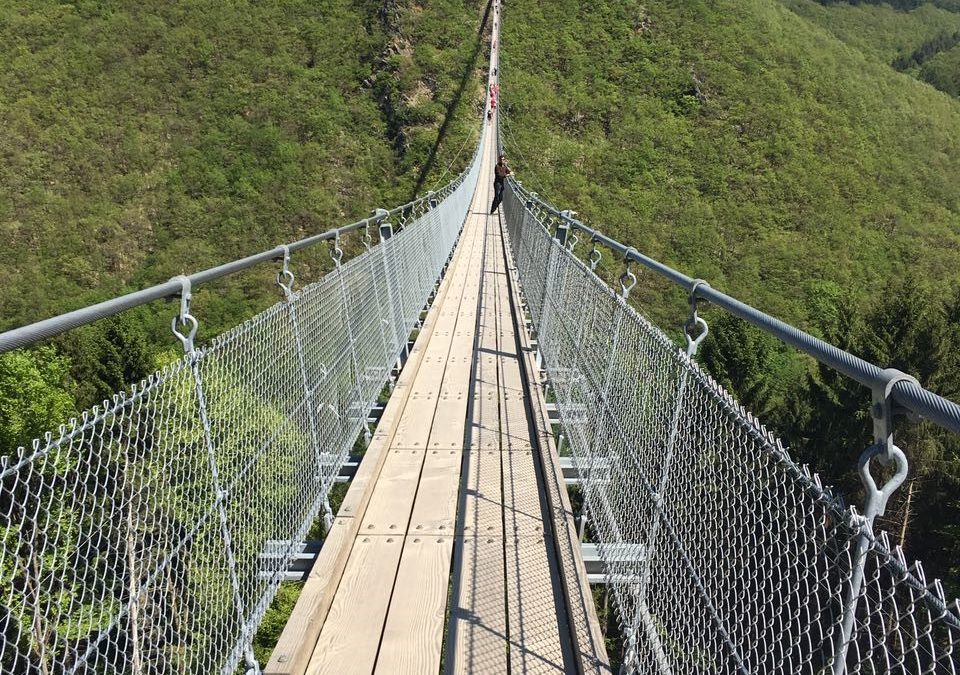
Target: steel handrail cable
[(909, 395), (24, 336)]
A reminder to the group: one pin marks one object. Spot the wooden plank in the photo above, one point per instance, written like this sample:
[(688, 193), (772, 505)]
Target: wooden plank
[(430, 377), (413, 632), (485, 432), (481, 496), (456, 379), (477, 641), (413, 428), (535, 605), (522, 506), (435, 505), (317, 595), (449, 428), (589, 644), (390, 505), (514, 423), (351, 634), (300, 634)]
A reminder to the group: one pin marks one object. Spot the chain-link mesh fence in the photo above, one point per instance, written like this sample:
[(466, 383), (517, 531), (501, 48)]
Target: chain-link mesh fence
[(150, 535), (722, 554)]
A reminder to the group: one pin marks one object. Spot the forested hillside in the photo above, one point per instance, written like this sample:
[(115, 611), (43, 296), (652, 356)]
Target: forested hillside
[(745, 144), (147, 139), (917, 37)]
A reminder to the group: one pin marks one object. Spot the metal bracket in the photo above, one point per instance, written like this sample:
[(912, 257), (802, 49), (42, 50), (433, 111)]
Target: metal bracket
[(184, 317), (694, 320), (884, 408), (285, 277), (367, 238), (595, 254), (336, 253), (876, 502), (628, 274)]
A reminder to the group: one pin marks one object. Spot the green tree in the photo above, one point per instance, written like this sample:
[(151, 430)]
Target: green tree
[(34, 397)]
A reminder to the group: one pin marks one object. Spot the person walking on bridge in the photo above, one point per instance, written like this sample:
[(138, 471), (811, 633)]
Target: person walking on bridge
[(501, 171)]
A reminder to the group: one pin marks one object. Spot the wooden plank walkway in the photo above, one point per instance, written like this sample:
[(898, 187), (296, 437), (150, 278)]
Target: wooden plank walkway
[(444, 554)]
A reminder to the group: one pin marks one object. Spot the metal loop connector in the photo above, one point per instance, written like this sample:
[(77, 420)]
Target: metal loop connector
[(336, 253), (628, 275), (595, 254), (184, 317), (694, 320), (367, 238), (285, 277), (877, 498)]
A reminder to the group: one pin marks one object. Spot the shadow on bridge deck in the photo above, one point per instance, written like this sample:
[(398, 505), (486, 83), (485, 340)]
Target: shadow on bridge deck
[(446, 546)]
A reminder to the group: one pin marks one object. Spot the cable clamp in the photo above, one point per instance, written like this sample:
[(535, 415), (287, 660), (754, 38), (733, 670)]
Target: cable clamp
[(336, 253), (285, 277), (694, 320), (184, 317), (628, 275)]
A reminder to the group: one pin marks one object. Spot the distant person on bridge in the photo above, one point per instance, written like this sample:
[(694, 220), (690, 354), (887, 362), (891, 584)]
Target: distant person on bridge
[(501, 171)]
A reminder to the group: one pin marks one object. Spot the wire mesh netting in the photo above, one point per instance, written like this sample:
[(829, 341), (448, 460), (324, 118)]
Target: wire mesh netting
[(150, 535), (722, 554)]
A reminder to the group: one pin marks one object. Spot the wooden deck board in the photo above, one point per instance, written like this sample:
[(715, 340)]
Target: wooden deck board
[(522, 506), (392, 501), (435, 506), (413, 633), (481, 494), (536, 626), (449, 430), (477, 641), (413, 429), (351, 634)]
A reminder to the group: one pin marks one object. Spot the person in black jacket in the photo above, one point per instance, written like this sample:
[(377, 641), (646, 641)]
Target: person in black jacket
[(501, 171)]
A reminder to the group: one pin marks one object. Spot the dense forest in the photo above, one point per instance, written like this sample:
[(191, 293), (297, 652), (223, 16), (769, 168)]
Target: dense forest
[(917, 37), (792, 152), (742, 143), (144, 140)]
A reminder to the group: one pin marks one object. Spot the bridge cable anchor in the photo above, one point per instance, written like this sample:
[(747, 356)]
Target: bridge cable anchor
[(285, 277), (886, 451), (336, 253), (184, 317), (694, 320), (595, 254), (367, 239), (628, 274)]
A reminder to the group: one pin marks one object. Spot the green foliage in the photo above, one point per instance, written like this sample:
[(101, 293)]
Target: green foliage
[(148, 139), (274, 621), (740, 142), (882, 31), (34, 396), (106, 357), (759, 370), (915, 36), (943, 71)]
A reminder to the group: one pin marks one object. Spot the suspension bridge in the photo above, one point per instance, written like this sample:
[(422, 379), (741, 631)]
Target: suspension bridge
[(151, 534)]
